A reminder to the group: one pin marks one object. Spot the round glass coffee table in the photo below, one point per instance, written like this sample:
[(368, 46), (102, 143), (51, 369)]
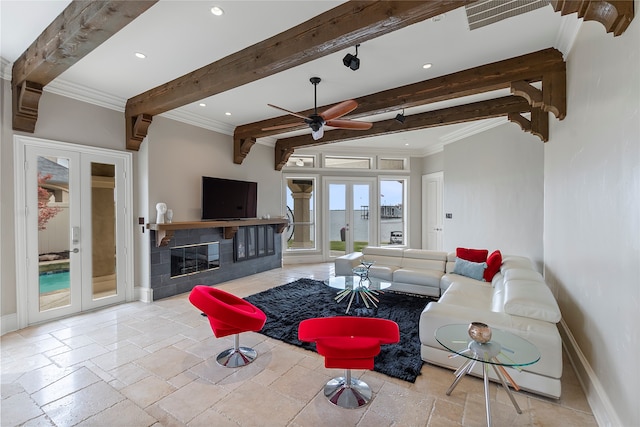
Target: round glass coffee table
[(358, 289), (504, 349)]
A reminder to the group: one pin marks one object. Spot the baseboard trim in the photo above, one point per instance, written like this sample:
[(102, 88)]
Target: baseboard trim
[(598, 399), (143, 294), (9, 323)]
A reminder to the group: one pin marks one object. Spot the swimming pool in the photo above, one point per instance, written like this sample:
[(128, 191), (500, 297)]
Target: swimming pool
[(54, 281)]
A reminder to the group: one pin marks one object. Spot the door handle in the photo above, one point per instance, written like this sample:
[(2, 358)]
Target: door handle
[(76, 250)]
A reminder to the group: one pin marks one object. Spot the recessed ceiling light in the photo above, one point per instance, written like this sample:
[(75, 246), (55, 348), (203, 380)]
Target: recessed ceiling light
[(427, 66), (140, 55), (217, 11), (202, 104), (227, 113), (406, 143)]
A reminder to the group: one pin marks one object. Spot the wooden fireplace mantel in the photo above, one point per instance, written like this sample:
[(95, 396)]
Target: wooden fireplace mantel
[(164, 232)]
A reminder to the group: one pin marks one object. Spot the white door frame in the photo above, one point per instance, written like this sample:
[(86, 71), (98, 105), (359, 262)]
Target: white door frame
[(436, 176), (21, 249)]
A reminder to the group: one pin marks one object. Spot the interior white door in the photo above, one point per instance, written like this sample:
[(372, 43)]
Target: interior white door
[(74, 229), (432, 211)]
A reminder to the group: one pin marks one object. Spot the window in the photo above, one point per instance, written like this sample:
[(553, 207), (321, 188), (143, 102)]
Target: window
[(301, 162), (347, 162), (301, 233), (391, 164), (392, 213)]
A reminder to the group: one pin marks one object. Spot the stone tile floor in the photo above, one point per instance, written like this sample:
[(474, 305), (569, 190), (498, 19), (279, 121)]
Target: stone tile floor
[(140, 364)]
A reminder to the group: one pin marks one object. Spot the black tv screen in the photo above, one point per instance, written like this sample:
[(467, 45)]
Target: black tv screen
[(228, 198)]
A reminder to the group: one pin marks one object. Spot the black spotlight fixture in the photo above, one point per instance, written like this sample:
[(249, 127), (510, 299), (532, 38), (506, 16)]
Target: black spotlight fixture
[(400, 117), (352, 61)]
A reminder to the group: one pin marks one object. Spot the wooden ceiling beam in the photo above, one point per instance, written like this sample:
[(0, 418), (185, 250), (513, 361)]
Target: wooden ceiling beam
[(614, 15), (78, 30), (498, 107), (528, 68), (342, 27)]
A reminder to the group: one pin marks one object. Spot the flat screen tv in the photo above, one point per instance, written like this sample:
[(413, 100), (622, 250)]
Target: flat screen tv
[(228, 198)]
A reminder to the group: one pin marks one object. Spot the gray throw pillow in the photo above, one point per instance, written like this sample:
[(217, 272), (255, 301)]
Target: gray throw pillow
[(474, 270)]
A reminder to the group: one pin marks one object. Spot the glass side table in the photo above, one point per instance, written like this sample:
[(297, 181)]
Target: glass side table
[(504, 349), (358, 289)]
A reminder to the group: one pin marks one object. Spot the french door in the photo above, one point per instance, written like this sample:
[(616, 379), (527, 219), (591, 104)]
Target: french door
[(348, 224), (72, 229)]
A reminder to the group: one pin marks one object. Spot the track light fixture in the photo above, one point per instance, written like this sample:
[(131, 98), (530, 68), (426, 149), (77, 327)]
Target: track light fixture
[(352, 61), (400, 117)]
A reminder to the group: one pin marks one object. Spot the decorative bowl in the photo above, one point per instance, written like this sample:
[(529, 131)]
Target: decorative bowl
[(480, 332)]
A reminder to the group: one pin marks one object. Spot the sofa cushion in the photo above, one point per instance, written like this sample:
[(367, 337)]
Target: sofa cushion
[(475, 270), (493, 265), (424, 259), (418, 276), (522, 273), (384, 272), (532, 299), (473, 255)]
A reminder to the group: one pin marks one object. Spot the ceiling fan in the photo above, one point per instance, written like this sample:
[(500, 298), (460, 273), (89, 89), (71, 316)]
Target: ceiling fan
[(330, 117)]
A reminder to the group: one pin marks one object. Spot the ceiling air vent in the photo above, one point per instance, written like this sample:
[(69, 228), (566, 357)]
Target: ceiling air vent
[(485, 12)]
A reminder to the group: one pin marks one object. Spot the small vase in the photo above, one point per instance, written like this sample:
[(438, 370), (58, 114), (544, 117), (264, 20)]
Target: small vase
[(480, 332), (169, 215)]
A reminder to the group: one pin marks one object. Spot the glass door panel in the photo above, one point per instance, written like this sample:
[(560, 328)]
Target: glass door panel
[(52, 193), (338, 220), (103, 226), (360, 224)]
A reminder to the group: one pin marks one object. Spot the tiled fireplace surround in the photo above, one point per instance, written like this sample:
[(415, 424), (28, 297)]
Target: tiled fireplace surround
[(163, 285)]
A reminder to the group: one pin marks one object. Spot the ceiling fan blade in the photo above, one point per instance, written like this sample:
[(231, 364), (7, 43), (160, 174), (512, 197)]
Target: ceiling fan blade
[(339, 110), (287, 111), (349, 124), (285, 126)]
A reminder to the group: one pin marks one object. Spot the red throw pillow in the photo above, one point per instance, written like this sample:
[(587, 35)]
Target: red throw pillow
[(473, 255), (494, 261)]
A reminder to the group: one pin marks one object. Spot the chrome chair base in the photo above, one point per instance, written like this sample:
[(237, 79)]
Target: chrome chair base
[(236, 357), (346, 392)]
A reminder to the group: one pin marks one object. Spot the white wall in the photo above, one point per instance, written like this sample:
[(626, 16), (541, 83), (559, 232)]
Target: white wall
[(180, 154), (493, 187), (592, 217)]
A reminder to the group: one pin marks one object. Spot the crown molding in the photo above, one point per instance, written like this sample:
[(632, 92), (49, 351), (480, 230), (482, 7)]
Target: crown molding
[(472, 129), (199, 121), (85, 94)]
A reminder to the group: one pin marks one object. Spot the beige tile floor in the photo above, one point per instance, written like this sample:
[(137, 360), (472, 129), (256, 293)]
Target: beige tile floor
[(154, 364)]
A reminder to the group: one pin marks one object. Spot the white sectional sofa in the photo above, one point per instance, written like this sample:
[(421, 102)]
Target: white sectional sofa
[(516, 300), (410, 270)]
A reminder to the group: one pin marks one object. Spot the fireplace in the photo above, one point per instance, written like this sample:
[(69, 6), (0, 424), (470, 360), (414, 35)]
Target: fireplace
[(192, 259)]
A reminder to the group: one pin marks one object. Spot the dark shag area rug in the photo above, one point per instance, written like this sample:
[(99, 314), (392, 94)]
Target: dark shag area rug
[(287, 305)]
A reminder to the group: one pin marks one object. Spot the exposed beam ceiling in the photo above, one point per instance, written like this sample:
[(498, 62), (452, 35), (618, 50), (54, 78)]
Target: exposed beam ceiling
[(341, 27), (78, 30), (84, 25)]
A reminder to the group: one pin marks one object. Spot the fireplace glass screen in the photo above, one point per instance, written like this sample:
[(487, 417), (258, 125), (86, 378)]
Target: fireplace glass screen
[(191, 259)]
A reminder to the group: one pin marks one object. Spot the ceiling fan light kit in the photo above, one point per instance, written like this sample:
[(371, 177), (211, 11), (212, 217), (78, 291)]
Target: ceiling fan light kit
[(352, 61), (330, 116)]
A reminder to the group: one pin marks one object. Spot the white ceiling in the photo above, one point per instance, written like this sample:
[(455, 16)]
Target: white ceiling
[(181, 36)]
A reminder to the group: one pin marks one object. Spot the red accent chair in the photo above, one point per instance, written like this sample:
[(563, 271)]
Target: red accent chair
[(229, 315), (349, 343)]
